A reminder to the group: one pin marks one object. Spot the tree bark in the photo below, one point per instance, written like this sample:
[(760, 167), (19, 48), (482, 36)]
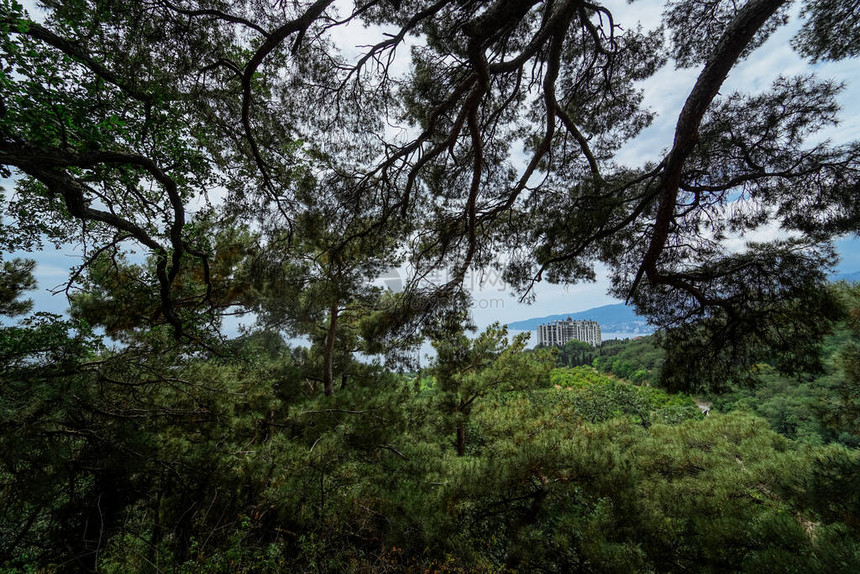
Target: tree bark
[(328, 358)]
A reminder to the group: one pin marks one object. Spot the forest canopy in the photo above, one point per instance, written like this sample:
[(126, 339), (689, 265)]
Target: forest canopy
[(219, 157), (249, 156)]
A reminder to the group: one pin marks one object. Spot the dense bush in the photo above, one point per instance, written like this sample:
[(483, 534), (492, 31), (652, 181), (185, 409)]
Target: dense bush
[(168, 461)]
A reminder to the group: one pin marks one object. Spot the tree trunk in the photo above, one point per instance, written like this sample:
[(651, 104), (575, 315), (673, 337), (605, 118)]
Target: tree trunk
[(328, 359)]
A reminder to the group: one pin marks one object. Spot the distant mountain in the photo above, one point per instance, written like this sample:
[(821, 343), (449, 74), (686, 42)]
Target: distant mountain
[(618, 318), (852, 277)]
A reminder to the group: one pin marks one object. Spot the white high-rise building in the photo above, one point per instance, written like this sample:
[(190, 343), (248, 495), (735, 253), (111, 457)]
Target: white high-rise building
[(557, 333)]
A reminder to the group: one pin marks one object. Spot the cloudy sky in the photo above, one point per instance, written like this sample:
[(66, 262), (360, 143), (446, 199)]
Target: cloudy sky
[(664, 93)]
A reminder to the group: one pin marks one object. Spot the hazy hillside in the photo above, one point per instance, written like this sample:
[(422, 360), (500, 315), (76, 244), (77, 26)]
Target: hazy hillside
[(852, 277), (618, 318)]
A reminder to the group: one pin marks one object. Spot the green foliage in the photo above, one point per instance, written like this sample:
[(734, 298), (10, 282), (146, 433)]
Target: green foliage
[(179, 450), (811, 407), (575, 353), (468, 370), (116, 293), (640, 359), (16, 276), (781, 320), (830, 31), (576, 377), (598, 398), (152, 458), (41, 368)]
